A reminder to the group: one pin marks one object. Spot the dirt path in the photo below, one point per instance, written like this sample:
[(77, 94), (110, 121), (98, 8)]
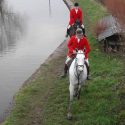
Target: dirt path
[(59, 54)]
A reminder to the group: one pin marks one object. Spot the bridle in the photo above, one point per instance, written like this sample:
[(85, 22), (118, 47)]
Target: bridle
[(76, 69), (74, 27), (76, 24)]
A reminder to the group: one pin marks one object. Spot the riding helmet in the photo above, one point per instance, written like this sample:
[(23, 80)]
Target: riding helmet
[(76, 4)]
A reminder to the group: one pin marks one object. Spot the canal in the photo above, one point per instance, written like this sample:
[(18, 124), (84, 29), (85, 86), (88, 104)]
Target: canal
[(31, 31)]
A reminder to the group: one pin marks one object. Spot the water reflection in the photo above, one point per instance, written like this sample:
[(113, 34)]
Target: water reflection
[(10, 27), (50, 7), (43, 33)]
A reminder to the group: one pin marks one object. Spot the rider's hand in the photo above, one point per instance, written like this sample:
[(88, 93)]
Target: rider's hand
[(74, 52)]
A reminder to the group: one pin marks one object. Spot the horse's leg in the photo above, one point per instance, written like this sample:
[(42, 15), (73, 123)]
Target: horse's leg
[(79, 91), (71, 89), (76, 91)]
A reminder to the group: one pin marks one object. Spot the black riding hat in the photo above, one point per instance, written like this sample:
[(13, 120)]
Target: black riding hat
[(76, 4)]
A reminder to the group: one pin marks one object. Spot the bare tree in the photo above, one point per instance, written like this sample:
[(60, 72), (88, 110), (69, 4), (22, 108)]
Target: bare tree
[(10, 26)]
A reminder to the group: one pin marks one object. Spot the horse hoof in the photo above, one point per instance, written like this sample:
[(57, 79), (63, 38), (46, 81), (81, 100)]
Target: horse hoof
[(78, 97), (69, 116)]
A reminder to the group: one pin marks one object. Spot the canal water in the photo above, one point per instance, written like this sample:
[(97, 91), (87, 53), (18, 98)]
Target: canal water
[(34, 31)]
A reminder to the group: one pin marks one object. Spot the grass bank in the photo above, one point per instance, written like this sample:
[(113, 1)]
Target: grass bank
[(44, 100)]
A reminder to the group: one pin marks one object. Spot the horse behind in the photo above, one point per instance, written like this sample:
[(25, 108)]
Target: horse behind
[(74, 28), (77, 78)]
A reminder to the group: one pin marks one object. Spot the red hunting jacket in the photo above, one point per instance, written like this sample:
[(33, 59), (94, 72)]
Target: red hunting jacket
[(81, 45), (74, 16)]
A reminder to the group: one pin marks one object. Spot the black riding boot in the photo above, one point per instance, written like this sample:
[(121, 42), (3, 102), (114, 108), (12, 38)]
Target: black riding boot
[(68, 31), (83, 30), (65, 71), (88, 71), (88, 75)]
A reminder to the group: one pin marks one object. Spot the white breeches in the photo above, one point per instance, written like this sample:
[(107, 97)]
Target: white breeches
[(68, 59), (68, 27), (87, 60), (82, 26)]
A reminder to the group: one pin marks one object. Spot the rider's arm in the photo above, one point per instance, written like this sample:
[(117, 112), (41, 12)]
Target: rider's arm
[(70, 44), (87, 46), (71, 18)]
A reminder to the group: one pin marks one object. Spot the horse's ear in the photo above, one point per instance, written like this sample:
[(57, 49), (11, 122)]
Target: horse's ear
[(76, 50)]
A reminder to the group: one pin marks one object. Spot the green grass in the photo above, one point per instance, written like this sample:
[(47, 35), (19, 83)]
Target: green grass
[(44, 100)]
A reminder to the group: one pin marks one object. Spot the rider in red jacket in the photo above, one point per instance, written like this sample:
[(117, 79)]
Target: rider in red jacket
[(77, 42), (75, 14)]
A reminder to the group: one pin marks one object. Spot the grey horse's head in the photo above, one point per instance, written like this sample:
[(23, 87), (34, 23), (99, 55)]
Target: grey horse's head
[(80, 60)]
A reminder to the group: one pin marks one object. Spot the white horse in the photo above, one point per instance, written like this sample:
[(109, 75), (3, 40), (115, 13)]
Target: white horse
[(77, 77)]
